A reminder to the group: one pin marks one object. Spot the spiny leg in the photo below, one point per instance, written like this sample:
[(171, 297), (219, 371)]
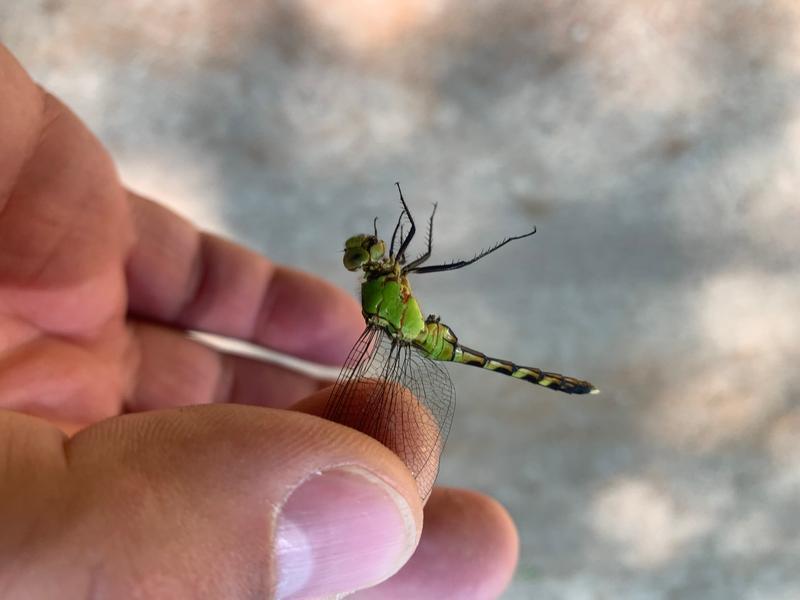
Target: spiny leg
[(405, 242), (418, 261), (399, 225), (463, 263)]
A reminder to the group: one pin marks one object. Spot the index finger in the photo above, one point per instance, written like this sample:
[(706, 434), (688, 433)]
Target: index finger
[(186, 278)]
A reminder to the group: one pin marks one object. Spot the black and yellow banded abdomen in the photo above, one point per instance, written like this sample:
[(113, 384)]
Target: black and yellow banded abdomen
[(553, 381), (439, 342)]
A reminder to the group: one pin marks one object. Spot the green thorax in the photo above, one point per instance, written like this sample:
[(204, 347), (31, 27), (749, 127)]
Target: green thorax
[(386, 299)]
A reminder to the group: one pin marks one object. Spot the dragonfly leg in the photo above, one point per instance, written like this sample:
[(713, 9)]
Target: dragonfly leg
[(418, 261), (460, 264), (405, 242), (397, 227)]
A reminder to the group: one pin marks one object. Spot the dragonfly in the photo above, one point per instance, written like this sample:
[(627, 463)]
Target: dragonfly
[(392, 385)]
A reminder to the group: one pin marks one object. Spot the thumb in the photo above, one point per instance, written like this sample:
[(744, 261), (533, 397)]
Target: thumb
[(207, 501)]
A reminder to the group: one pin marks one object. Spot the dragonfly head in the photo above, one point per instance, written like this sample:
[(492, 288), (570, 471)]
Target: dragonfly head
[(362, 249)]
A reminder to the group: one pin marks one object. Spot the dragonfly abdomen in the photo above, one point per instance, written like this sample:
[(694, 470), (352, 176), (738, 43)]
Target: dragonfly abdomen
[(553, 381), (440, 342)]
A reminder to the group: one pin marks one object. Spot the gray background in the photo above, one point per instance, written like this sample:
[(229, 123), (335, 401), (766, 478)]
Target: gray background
[(654, 144)]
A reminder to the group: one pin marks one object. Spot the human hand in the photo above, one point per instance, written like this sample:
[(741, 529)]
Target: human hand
[(98, 287)]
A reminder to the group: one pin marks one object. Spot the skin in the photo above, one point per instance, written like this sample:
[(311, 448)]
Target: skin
[(97, 288)]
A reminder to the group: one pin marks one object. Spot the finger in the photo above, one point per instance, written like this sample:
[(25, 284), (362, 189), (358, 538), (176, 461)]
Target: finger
[(63, 217), (23, 107), (50, 166), (218, 501), (174, 370), (469, 549), (195, 280), (56, 379)]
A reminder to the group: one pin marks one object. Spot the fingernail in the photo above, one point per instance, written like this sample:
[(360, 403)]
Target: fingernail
[(339, 531)]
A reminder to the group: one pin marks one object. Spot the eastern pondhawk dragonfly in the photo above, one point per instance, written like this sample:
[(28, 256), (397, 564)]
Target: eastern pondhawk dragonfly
[(392, 386)]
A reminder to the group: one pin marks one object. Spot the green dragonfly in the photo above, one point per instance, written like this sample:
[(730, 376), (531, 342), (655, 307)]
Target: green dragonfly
[(392, 386)]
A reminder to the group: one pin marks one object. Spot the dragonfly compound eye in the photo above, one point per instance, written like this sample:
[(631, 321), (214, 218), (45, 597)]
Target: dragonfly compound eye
[(357, 241), (354, 258)]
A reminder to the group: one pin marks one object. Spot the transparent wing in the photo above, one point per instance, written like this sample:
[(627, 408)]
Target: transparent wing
[(394, 393)]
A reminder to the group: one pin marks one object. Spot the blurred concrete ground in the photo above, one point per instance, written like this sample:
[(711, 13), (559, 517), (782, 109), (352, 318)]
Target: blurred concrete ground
[(656, 146)]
